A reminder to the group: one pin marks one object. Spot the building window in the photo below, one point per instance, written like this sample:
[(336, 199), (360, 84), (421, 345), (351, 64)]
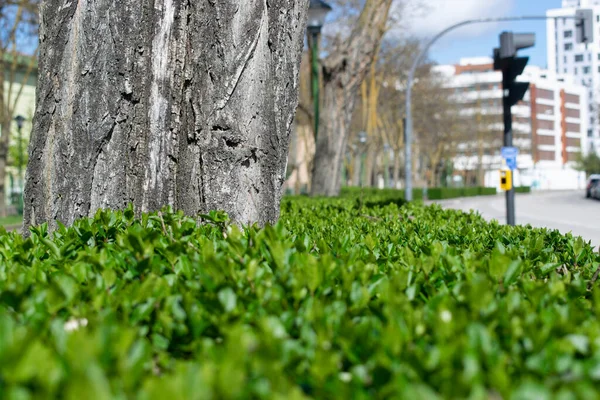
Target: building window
[(597, 18), (586, 70), (589, 133), (575, 71), (568, 34), (567, 71), (565, 59), (568, 46), (578, 57), (589, 56)]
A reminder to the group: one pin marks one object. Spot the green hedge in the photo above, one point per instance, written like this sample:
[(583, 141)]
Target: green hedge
[(432, 193), (343, 298), (451, 193), (354, 192), (523, 189)]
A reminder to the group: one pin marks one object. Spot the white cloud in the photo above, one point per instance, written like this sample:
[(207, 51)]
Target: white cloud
[(425, 18)]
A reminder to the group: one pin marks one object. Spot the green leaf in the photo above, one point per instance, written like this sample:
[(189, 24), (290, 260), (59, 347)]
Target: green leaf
[(513, 272), (228, 299)]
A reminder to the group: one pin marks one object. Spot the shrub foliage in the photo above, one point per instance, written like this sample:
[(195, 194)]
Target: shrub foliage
[(436, 193), (343, 298)]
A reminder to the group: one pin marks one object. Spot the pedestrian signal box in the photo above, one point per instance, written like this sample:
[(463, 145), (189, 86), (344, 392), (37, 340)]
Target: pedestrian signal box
[(506, 179)]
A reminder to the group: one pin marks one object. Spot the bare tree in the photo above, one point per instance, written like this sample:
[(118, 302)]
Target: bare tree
[(435, 115), (188, 104), (343, 72), (18, 30)]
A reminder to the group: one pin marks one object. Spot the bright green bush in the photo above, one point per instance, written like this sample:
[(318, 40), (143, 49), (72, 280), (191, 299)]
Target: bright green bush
[(343, 298)]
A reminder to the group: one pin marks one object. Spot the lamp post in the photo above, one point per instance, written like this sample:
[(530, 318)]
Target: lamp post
[(19, 119), (317, 13)]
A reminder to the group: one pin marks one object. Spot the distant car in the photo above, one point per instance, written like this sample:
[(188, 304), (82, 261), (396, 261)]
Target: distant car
[(592, 180), (595, 190)]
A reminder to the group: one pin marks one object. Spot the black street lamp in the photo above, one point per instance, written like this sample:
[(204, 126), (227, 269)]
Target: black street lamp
[(19, 119), (317, 13)]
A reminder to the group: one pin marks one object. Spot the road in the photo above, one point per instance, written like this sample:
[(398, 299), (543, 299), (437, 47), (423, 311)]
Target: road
[(565, 211)]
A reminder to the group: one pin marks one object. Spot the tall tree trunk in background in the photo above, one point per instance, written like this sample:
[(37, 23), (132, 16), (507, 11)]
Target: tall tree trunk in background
[(357, 170), (372, 165), (188, 104), (397, 144), (343, 72)]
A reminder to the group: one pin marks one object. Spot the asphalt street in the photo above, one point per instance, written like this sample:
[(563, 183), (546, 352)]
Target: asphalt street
[(565, 211)]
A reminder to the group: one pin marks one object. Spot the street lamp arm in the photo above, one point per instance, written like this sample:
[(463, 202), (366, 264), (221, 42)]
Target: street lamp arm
[(411, 75), (430, 43)]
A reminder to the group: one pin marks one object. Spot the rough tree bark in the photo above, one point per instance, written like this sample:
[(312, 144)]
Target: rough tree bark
[(343, 72), (164, 102)]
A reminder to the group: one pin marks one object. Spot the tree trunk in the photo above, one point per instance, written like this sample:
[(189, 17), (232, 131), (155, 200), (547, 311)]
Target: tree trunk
[(397, 162), (343, 72), (480, 172), (164, 102), (370, 166), (356, 176)]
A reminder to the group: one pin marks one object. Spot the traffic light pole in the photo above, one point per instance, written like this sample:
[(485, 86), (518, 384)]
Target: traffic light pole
[(508, 142), (411, 76)]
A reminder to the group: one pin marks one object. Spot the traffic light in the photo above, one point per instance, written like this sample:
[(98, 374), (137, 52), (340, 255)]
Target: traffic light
[(506, 60), (585, 26)]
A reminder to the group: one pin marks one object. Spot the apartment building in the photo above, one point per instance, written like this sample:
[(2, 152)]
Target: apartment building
[(582, 61), (550, 125)]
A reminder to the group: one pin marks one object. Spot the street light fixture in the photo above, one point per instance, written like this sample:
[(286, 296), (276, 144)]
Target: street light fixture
[(317, 14), (19, 119), (362, 137)]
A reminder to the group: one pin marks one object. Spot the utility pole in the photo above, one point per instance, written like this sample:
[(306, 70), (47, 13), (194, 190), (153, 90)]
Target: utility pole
[(506, 60)]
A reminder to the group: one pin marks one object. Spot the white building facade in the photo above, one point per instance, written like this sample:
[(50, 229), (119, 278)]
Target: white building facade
[(582, 61), (549, 126)]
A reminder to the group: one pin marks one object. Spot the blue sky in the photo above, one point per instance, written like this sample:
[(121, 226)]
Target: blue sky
[(479, 40)]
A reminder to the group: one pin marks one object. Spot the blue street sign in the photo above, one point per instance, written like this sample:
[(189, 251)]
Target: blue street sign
[(511, 163), (510, 156), (509, 152)]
